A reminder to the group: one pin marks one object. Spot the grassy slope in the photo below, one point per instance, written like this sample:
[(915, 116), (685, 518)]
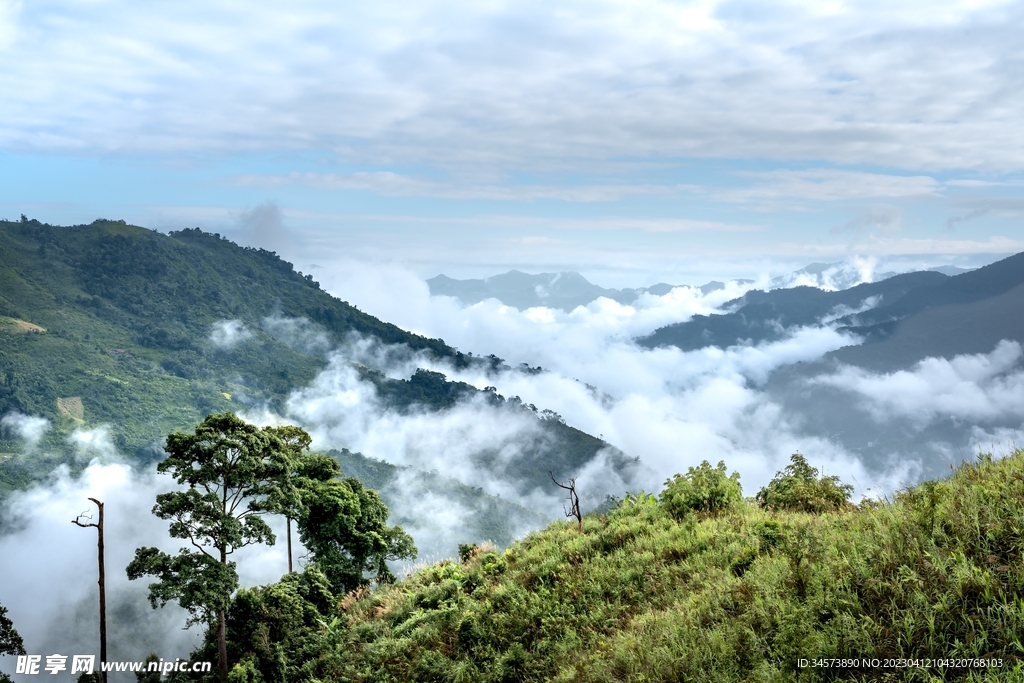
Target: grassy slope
[(640, 596)]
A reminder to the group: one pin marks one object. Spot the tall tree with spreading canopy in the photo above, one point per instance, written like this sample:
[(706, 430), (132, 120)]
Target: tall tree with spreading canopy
[(228, 467)]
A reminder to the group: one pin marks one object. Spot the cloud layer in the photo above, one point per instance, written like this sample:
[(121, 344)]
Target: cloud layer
[(464, 83)]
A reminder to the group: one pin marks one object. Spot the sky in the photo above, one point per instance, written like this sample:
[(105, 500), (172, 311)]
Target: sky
[(631, 141)]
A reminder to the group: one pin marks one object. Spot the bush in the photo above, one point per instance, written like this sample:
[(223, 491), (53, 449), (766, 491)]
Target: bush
[(798, 487), (704, 489)]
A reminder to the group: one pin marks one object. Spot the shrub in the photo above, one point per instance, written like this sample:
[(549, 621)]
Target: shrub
[(798, 487), (704, 489)]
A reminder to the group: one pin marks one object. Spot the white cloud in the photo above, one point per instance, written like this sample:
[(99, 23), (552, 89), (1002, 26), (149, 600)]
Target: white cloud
[(49, 565), (298, 333), (9, 11), (514, 84), (392, 184), (970, 387), (29, 428), (670, 408), (93, 444), (227, 334), (823, 184)]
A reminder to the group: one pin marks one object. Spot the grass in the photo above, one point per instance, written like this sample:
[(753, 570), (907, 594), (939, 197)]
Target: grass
[(741, 595)]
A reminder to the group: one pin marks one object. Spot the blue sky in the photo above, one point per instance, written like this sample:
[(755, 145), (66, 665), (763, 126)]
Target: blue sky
[(634, 141)]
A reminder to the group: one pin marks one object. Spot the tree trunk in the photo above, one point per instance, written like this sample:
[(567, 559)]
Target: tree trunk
[(222, 646), (222, 632), (289, 544), (103, 594)]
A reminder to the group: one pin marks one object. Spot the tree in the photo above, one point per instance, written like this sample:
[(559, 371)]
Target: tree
[(798, 487), (10, 641), (703, 489), (227, 466), (574, 500), (284, 496), (345, 528)]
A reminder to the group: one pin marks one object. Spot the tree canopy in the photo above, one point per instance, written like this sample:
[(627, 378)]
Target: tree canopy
[(345, 528), (798, 487), (228, 467)]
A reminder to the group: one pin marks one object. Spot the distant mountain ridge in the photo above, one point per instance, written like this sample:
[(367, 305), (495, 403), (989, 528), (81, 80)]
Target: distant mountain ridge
[(565, 290), (902, 320), (568, 289), (760, 316)]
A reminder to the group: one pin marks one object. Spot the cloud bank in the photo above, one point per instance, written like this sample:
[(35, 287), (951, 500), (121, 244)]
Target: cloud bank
[(521, 84)]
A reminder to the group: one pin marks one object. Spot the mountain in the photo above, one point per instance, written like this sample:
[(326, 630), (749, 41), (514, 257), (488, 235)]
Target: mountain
[(830, 276), (857, 396), (565, 290), (760, 316), (113, 326), (974, 310), (966, 314)]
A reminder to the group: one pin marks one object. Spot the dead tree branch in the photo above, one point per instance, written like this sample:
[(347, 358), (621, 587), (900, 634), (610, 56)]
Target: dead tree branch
[(574, 500)]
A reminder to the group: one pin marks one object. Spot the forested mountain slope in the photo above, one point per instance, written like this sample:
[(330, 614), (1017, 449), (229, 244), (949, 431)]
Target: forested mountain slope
[(114, 324)]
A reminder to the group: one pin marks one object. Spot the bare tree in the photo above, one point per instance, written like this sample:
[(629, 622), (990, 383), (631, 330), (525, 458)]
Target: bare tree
[(102, 581), (574, 500)]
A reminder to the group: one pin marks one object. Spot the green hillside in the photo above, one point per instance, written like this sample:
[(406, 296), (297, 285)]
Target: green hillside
[(692, 586), (110, 324), (128, 312)]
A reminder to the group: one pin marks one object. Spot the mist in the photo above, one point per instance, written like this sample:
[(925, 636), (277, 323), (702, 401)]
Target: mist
[(49, 565), (673, 409)]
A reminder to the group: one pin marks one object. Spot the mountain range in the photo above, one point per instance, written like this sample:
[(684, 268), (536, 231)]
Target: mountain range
[(566, 290)]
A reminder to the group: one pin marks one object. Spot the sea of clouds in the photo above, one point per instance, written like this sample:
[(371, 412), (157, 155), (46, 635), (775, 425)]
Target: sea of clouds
[(670, 408)]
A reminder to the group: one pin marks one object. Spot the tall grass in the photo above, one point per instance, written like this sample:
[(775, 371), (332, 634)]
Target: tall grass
[(736, 594)]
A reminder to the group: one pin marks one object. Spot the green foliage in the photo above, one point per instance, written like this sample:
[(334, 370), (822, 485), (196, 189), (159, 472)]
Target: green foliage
[(147, 676), (345, 528), (640, 596), (798, 487), (10, 640), (271, 628), (198, 582), (703, 489), (229, 467)]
